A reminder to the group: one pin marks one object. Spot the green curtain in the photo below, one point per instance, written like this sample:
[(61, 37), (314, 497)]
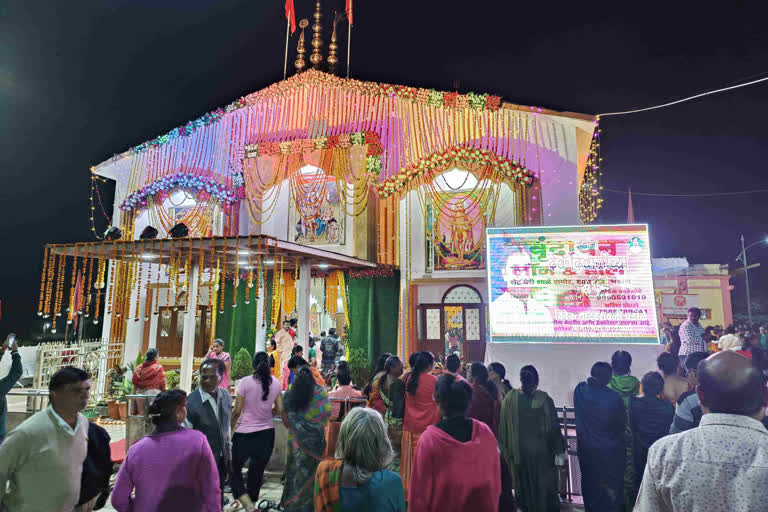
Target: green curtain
[(374, 304), (237, 326), (268, 298)]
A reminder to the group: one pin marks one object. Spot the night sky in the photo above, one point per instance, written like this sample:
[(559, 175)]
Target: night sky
[(81, 81)]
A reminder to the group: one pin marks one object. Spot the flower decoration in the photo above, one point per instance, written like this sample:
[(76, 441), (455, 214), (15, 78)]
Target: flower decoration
[(435, 98), (476, 101), (315, 78), (505, 170), (206, 186), (378, 272), (449, 99)]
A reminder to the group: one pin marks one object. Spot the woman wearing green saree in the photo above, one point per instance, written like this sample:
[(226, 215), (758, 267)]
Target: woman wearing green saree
[(307, 411), (387, 397), (627, 386), (530, 440)]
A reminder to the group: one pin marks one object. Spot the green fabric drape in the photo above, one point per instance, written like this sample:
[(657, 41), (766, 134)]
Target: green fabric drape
[(237, 326), (268, 298), (374, 304)]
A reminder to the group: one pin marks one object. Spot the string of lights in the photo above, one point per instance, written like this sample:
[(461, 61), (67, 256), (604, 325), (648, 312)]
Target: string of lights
[(689, 98), (706, 194)]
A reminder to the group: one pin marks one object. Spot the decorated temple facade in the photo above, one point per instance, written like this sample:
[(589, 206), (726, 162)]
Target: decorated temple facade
[(397, 183)]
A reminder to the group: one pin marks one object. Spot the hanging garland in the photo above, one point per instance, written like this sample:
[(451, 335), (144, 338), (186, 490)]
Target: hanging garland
[(209, 187), (429, 167), (303, 146), (430, 97)]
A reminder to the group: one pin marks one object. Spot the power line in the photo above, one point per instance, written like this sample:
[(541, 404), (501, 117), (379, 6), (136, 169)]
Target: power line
[(712, 194), (689, 98)]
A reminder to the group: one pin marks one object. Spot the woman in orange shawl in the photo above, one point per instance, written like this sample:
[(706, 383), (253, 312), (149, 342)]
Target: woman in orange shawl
[(420, 410)]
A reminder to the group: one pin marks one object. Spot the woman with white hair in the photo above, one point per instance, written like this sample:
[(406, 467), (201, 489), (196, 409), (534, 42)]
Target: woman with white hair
[(356, 478)]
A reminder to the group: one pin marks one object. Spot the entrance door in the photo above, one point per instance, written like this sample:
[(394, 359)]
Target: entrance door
[(170, 331), (457, 325)]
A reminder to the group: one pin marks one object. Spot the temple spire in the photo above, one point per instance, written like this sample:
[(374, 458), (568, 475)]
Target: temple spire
[(300, 63), (317, 36)]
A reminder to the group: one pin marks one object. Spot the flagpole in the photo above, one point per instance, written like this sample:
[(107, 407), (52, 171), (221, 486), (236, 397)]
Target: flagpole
[(287, 36), (349, 42)]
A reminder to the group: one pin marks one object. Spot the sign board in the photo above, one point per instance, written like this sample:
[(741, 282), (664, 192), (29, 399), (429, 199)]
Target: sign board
[(677, 304), (571, 284)]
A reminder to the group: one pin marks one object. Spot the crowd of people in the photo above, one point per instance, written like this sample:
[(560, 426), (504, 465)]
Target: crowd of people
[(425, 437)]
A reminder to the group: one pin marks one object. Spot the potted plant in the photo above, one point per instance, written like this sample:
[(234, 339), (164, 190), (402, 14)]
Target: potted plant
[(172, 379), (125, 389), (115, 377), (359, 367), (242, 365)]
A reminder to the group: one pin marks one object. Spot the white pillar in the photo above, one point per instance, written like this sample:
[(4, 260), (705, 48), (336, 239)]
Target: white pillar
[(188, 340), (261, 332), (302, 303)]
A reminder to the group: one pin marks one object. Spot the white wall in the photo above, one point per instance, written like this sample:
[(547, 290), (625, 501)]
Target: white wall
[(561, 366), (556, 161)]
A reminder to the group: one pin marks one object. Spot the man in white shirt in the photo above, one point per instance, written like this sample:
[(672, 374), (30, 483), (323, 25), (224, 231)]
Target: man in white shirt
[(209, 410), (723, 464), (42, 458), (284, 342), (515, 312)]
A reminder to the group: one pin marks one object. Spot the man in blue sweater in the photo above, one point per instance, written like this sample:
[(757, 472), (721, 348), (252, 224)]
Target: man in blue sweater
[(7, 382)]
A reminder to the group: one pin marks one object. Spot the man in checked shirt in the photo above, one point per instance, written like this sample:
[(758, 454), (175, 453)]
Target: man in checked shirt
[(691, 336)]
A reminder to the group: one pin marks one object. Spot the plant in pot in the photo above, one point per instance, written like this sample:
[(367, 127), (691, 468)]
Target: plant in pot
[(115, 377), (124, 389), (242, 365), (172, 379), (359, 367)]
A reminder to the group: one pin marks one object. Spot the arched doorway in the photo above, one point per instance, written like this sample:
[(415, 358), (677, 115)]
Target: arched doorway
[(456, 325)]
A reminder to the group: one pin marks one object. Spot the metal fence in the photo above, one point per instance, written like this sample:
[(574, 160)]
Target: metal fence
[(570, 474), (95, 356)]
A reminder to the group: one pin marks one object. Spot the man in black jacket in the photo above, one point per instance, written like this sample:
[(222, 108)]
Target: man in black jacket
[(97, 468), (7, 382), (209, 410)]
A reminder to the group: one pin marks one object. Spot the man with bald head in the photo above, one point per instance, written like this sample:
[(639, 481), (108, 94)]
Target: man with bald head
[(722, 464)]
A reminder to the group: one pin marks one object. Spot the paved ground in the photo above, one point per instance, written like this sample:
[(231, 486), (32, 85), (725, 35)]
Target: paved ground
[(272, 490)]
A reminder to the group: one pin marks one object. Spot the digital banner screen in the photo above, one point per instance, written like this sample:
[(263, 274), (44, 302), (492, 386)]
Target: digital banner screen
[(571, 284)]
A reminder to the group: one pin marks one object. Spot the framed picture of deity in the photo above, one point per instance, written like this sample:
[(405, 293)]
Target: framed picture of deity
[(455, 232), (317, 218)]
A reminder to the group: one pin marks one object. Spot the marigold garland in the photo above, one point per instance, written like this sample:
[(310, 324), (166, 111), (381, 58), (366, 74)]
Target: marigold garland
[(332, 292), (289, 293), (429, 167), (421, 96)]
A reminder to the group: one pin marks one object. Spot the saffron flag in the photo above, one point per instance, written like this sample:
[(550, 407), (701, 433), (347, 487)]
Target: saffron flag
[(290, 14), (77, 299), (349, 11), (630, 209)]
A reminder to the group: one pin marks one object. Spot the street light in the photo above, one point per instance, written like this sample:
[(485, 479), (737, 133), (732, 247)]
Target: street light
[(742, 257)]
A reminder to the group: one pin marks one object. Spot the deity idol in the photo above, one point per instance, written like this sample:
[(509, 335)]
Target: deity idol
[(462, 238)]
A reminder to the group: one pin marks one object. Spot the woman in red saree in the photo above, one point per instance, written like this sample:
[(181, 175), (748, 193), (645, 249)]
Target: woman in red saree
[(485, 404), (420, 410), (148, 379), (149, 375)]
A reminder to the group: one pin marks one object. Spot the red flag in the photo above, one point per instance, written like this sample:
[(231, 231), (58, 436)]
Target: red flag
[(290, 14), (349, 11), (630, 210), (77, 299)]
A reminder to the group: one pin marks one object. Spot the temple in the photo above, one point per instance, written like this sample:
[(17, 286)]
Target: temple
[(348, 204)]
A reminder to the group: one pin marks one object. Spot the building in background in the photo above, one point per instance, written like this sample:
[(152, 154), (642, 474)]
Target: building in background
[(680, 285)]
